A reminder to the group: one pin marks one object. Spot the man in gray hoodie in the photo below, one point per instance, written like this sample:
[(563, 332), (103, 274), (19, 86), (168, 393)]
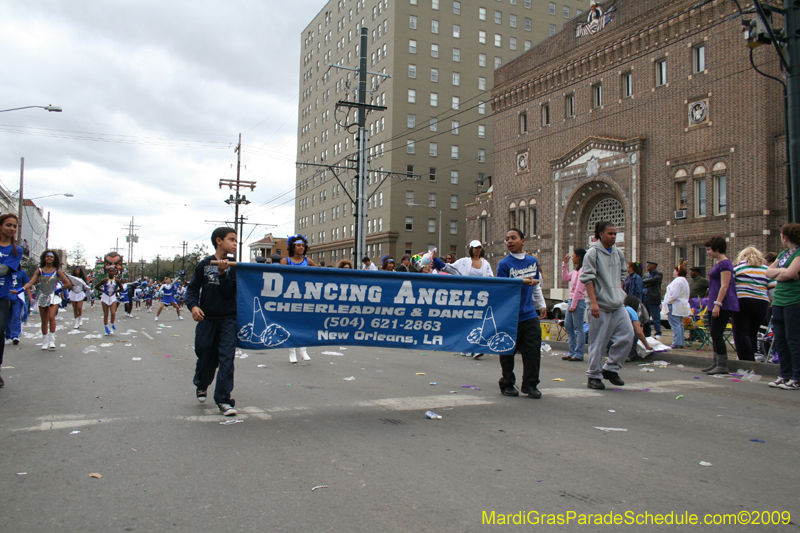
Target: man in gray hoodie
[(604, 270)]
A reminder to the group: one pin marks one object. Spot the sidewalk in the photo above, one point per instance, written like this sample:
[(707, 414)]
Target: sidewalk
[(688, 356)]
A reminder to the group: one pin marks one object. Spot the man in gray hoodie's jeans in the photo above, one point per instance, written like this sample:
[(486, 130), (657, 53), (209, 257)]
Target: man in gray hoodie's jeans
[(604, 271)]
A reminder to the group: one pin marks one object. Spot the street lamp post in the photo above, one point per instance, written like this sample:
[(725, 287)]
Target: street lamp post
[(51, 108), (440, 222)]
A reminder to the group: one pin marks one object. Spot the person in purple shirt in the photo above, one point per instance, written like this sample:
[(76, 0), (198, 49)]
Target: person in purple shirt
[(722, 296)]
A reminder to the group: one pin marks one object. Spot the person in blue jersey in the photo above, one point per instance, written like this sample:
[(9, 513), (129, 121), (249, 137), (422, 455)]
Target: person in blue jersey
[(10, 257), (48, 275), (211, 298), (297, 246), (604, 271), (529, 333), (19, 305), (168, 291), (138, 296), (149, 290)]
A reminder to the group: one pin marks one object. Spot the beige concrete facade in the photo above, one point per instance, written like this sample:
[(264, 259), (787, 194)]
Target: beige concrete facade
[(441, 55)]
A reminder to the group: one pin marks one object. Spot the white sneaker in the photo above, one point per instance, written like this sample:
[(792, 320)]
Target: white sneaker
[(77, 323), (778, 382), (292, 355), (52, 344), (304, 354), (792, 384), (156, 319), (227, 410), (45, 341), (180, 318)]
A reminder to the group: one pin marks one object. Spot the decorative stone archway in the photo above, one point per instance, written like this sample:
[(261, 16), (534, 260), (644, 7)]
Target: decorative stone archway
[(598, 178)]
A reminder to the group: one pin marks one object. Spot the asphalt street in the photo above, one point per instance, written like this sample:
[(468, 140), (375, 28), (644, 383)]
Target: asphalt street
[(352, 423)]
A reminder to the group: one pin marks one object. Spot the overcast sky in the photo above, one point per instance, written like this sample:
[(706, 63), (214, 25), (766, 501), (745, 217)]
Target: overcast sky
[(154, 96)]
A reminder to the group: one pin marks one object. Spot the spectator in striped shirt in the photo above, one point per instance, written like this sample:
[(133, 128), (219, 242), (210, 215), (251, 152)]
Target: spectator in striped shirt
[(754, 291)]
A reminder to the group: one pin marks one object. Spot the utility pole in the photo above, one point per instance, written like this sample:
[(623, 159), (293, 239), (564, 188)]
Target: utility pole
[(130, 238), (183, 267), (158, 263), (19, 215), (47, 233), (239, 183)]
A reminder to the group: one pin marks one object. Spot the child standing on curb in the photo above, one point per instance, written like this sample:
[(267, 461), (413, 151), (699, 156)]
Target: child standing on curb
[(211, 298)]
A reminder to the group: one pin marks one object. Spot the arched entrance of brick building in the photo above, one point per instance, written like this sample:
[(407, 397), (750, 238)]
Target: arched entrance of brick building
[(593, 202)]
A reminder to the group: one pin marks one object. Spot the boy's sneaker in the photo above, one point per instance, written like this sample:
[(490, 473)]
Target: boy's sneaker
[(201, 395), (595, 383), (532, 392), (15, 341), (778, 382), (227, 410), (156, 319), (509, 391), (180, 318), (792, 384), (613, 377), (108, 331)]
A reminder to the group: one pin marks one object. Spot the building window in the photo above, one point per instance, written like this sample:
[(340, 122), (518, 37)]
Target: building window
[(456, 8), (661, 72), (433, 149), (457, 55), (627, 85), (454, 177), (453, 201), (512, 21), (435, 5), (682, 195), (412, 71), (456, 101), (523, 122), (412, 120), (481, 13), (409, 223), (700, 197), (431, 225), (481, 108), (533, 230), (481, 83), (720, 195), (527, 24), (434, 100), (408, 249), (434, 124), (546, 114), (552, 8), (454, 124), (484, 228), (434, 50), (453, 227), (512, 43), (699, 58), (456, 79), (569, 106), (498, 17), (512, 215), (412, 46), (481, 37), (435, 27), (431, 199), (498, 40), (552, 29), (409, 146), (481, 155), (412, 22), (481, 131), (456, 31), (481, 60), (409, 197), (412, 96), (434, 75), (432, 174), (528, 45), (566, 12), (498, 62), (597, 95), (454, 152), (409, 172)]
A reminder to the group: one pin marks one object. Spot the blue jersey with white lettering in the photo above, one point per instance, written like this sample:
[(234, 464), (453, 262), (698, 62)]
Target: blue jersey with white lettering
[(12, 261), (527, 267)]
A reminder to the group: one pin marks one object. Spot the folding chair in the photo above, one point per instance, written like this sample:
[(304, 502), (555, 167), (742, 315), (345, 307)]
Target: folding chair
[(698, 330)]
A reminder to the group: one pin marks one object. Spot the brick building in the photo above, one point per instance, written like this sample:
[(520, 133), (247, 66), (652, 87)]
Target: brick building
[(647, 113)]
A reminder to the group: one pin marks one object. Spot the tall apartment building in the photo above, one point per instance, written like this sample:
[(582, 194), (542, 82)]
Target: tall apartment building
[(435, 138)]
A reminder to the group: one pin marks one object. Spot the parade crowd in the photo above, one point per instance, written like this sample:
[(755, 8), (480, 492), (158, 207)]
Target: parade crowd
[(613, 304)]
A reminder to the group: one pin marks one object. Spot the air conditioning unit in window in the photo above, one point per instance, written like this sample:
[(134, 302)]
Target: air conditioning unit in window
[(680, 214)]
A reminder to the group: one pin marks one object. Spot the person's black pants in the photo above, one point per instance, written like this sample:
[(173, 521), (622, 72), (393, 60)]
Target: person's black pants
[(5, 314), (215, 346), (745, 326), (717, 328), (529, 343)]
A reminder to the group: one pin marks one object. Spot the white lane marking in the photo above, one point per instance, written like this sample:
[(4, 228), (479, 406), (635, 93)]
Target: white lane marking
[(413, 403), (146, 335)]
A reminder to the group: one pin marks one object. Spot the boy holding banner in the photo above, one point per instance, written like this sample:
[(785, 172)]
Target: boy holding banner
[(529, 333), (215, 336)]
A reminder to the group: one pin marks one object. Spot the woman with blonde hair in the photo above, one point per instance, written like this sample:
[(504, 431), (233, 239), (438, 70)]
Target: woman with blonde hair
[(754, 291)]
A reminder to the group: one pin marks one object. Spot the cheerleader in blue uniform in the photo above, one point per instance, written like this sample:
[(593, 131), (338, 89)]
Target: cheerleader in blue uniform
[(77, 295), (168, 290), (48, 275), (109, 288), (298, 248), (123, 297)]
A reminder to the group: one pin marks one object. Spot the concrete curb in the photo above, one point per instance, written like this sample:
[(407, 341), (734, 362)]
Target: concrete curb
[(696, 359)]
